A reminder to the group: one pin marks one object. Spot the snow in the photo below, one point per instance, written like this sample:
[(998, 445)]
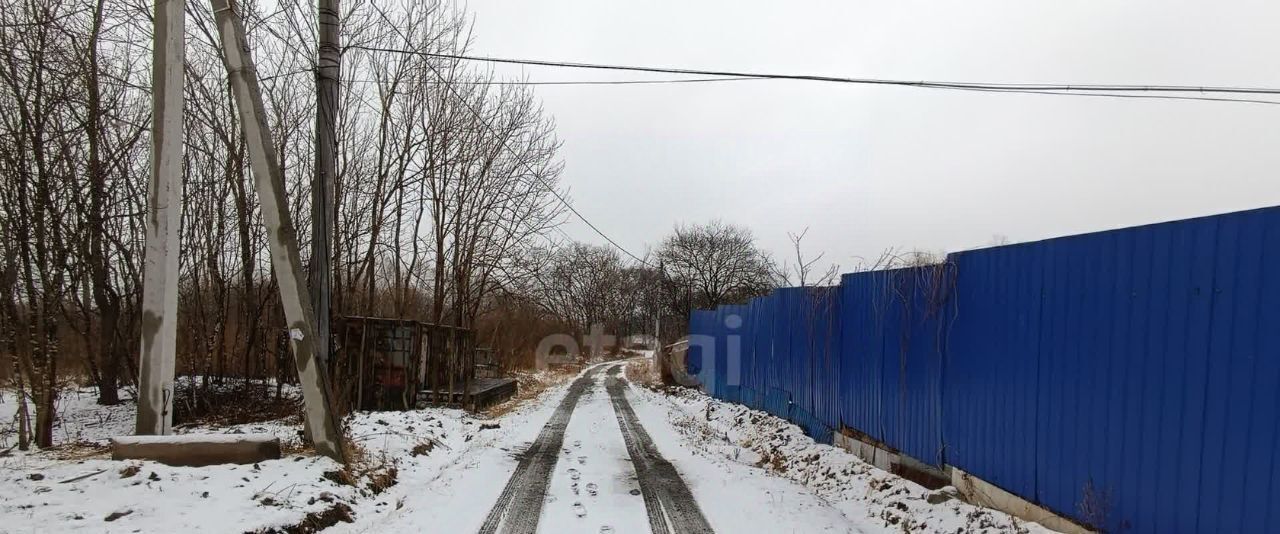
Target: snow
[(80, 418), (160, 498), (726, 446), (750, 472), (182, 439), (223, 498), (454, 492), (734, 495), (599, 456)]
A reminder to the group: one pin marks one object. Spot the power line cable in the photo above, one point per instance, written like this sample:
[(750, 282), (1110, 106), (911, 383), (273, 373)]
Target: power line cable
[(1052, 89), (1133, 95), (1093, 90), (552, 82), (536, 176), (596, 82)]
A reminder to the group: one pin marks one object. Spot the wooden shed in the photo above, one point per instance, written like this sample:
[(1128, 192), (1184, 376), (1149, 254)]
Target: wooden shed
[(398, 364)]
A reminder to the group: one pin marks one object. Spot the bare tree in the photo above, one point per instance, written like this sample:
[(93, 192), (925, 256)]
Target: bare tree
[(40, 156), (804, 267), (445, 185), (712, 264)]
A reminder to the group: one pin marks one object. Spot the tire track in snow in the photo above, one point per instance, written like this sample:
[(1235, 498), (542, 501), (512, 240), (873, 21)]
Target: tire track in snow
[(667, 499), (519, 506)]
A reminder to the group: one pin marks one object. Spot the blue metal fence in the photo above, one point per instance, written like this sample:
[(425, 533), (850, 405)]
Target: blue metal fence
[(1128, 379)]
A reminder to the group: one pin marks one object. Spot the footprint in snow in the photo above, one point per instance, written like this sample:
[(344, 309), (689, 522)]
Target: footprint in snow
[(606, 529), (574, 474), (592, 489), (579, 509), (582, 460), (577, 443)]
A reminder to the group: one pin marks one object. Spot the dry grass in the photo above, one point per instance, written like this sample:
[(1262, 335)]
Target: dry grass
[(233, 403), (532, 384), (643, 373), (374, 473), (79, 450)]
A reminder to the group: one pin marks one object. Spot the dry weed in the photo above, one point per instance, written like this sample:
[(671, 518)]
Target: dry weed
[(531, 385)]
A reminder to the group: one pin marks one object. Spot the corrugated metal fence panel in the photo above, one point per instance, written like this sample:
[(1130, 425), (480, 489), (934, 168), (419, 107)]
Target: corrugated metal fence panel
[(812, 385), (1065, 373), (802, 343), (718, 365), (768, 376), (778, 399), (792, 366), (989, 422), (1129, 379), (912, 365), (753, 355), (699, 333), (891, 310), (861, 354), (1240, 489), (710, 366), (930, 317), (784, 354), (764, 349), (736, 337), (1157, 373), (825, 372), (706, 352), (748, 364), (1105, 345), (1188, 249)]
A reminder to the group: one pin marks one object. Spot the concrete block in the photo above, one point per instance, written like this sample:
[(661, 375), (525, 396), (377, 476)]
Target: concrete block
[(196, 450), (982, 493)]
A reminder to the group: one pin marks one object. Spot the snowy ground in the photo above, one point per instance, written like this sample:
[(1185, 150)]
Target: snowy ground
[(723, 445), (39, 491), (80, 418), (748, 471)]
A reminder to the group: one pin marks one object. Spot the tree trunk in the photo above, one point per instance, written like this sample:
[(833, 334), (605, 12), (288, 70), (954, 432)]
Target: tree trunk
[(104, 296)]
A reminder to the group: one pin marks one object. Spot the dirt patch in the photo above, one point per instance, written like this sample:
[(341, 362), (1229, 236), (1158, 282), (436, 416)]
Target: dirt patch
[(423, 448), (315, 521)]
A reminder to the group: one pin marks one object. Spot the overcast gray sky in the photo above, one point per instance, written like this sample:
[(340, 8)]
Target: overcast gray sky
[(873, 167)]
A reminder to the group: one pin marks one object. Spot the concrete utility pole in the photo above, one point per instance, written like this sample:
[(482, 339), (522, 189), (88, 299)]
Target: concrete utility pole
[(657, 344), (321, 420), (327, 73), (164, 209)]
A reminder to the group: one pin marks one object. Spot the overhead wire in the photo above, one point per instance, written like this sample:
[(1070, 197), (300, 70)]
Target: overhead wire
[(1090, 90), (1104, 90), (596, 82), (1135, 95), (552, 82)]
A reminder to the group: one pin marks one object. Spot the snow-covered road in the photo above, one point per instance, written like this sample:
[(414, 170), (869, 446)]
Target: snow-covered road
[(593, 485)]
